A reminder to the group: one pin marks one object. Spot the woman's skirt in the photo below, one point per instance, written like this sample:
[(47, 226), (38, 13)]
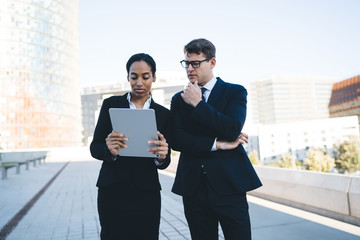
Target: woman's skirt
[(128, 214)]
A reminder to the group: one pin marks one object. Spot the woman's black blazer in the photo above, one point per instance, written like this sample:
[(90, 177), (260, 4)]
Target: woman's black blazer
[(138, 172)]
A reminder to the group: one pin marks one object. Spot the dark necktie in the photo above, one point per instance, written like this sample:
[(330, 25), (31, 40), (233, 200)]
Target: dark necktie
[(202, 93)]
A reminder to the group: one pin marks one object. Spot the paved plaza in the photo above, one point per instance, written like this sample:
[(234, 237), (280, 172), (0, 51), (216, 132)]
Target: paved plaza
[(66, 208)]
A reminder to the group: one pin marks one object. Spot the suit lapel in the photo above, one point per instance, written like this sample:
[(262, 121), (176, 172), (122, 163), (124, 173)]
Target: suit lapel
[(122, 101), (216, 92), (153, 104)]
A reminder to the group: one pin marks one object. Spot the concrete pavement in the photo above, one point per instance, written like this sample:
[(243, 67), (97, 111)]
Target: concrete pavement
[(67, 208)]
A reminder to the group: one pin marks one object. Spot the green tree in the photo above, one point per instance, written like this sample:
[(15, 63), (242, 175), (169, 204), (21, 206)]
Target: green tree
[(317, 160), (254, 157), (348, 155), (287, 161)]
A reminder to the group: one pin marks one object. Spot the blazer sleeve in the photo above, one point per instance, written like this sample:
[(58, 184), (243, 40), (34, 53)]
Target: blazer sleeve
[(182, 140), (166, 162), (98, 147), (227, 125), (165, 130)]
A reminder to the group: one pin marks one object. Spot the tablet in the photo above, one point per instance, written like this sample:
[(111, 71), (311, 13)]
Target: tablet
[(139, 126)]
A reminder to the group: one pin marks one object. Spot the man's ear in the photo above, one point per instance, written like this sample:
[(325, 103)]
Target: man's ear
[(212, 63), (154, 78)]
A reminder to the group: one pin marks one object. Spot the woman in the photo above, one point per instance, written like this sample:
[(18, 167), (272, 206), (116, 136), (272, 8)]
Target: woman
[(128, 187)]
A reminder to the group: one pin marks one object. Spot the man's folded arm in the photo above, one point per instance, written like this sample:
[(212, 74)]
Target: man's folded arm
[(184, 141), (228, 125)]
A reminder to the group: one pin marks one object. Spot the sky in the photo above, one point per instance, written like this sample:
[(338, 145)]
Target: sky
[(254, 39)]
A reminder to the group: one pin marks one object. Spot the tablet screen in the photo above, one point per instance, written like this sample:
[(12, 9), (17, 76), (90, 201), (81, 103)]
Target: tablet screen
[(139, 126)]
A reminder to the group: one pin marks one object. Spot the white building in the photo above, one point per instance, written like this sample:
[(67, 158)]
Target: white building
[(290, 98), (273, 140)]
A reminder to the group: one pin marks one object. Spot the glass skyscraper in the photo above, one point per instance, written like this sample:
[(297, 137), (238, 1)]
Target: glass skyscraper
[(39, 74)]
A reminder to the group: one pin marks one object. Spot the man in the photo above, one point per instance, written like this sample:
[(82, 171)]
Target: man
[(214, 172)]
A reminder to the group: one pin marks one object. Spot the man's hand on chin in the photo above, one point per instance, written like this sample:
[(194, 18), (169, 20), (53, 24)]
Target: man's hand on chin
[(192, 94)]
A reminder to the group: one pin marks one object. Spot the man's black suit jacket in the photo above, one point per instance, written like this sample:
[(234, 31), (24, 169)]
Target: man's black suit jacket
[(193, 133), (138, 171)]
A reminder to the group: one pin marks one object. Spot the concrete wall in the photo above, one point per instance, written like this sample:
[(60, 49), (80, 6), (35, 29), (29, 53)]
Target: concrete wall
[(354, 197), (21, 156), (334, 195)]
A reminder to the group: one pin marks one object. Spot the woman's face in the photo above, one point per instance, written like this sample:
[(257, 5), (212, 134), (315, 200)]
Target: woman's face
[(140, 78)]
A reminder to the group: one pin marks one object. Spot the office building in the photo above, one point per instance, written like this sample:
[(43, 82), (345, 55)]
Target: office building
[(345, 98), (39, 72), (285, 98), (296, 138)]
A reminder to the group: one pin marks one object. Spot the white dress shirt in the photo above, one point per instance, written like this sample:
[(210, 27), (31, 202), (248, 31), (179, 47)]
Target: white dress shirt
[(132, 105)]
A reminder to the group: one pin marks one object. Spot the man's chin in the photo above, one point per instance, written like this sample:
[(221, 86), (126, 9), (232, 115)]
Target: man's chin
[(192, 80)]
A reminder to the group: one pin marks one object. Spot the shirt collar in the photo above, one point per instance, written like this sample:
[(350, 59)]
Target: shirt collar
[(132, 105), (210, 84)]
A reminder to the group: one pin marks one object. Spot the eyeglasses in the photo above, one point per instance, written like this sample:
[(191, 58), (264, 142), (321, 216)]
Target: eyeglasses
[(194, 64)]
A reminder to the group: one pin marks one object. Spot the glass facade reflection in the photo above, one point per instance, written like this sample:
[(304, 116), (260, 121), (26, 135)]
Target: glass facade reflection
[(39, 74), (345, 98)]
